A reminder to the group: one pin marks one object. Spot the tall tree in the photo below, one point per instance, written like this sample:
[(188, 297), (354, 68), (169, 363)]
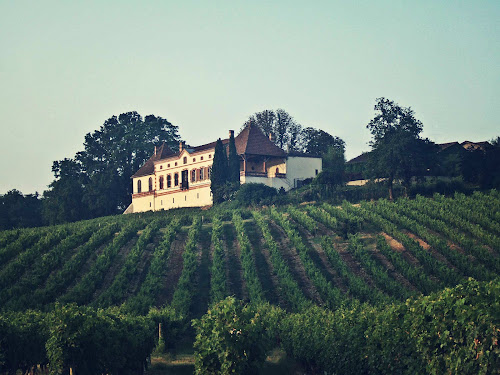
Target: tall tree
[(318, 142), (282, 127), (103, 169), (63, 201), (398, 152), (20, 211), (233, 162), (219, 175)]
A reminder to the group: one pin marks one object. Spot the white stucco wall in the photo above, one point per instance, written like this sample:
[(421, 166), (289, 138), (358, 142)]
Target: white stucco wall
[(300, 168)]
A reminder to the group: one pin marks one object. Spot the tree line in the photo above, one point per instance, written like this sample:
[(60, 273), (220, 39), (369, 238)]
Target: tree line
[(97, 180)]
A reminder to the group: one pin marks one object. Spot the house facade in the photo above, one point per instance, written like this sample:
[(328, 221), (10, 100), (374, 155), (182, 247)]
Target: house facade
[(181, 178)]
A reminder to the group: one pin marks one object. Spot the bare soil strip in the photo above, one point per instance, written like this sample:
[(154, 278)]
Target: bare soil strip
[(409, 257), (199, 305), (319, 257), (115, 268), (173, 270), (391, 270), (294, 263), (235, 281), (143, 266)]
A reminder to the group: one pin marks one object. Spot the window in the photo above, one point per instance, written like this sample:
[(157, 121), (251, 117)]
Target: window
[(316, 172), (169, 181), (197, 175), (176, 179), (193, 175), (168, 165), (198, 195), (139, 186), (194, 159), (210, 156), (202, 175), (209, 173), (278, 170), (185, 160), (150, 184), (173, 200), (175, 164), (149, 204), (161, 166), (201, 158), (185, 198), (161, 182)]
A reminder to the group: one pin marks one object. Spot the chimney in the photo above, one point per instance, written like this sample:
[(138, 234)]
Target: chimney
[(155, 150), (181, 146), (231, 133)]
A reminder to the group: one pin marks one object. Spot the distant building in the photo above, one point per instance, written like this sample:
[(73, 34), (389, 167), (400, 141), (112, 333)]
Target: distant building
[(181, 178), (449, 155)]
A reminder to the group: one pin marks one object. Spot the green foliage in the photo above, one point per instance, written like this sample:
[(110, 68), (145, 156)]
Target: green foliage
[(233, 338), (254, 194), (186, 288), (218, 287), (233, 162), (398, 152), (96, 181), (20, 211), (247, 261), (219, 175)]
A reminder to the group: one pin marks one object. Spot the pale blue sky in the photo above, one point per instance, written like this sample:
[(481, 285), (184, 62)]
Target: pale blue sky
[(67, 66)]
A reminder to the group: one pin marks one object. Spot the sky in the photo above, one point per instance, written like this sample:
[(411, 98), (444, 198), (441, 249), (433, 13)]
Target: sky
[(206, 66)]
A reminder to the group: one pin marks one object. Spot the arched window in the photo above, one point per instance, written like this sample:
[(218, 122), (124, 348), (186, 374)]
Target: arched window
[(193, 175), (176, 179), (161, 182), (185, 160), (150, 184), (169, 181), (139, 186)]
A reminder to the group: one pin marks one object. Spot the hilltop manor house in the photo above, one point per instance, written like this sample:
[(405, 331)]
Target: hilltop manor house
[(182, 179)]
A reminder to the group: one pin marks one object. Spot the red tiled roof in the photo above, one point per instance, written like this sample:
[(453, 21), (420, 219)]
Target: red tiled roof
[(251, 141), (162, 152)]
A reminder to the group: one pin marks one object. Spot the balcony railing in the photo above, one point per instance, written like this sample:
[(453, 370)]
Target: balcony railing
[(262, 174), (253, 173)]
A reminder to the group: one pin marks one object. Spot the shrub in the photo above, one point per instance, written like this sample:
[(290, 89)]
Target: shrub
[(233, 338), (253, 194)]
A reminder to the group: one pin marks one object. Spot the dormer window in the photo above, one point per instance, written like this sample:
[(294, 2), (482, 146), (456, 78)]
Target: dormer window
[(185, 160)]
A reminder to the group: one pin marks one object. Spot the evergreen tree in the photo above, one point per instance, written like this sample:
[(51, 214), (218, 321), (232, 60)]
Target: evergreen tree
[(219, 175), (233, 163)]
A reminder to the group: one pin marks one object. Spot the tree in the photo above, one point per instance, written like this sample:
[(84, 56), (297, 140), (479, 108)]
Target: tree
[(96, 181), (20, 211), (63, 201), (233, 162), (398, 152), (319, 142), (219, 175), (284, 130)]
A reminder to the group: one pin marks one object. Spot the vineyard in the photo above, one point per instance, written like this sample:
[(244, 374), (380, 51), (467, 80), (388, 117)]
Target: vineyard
[(360, 288)]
